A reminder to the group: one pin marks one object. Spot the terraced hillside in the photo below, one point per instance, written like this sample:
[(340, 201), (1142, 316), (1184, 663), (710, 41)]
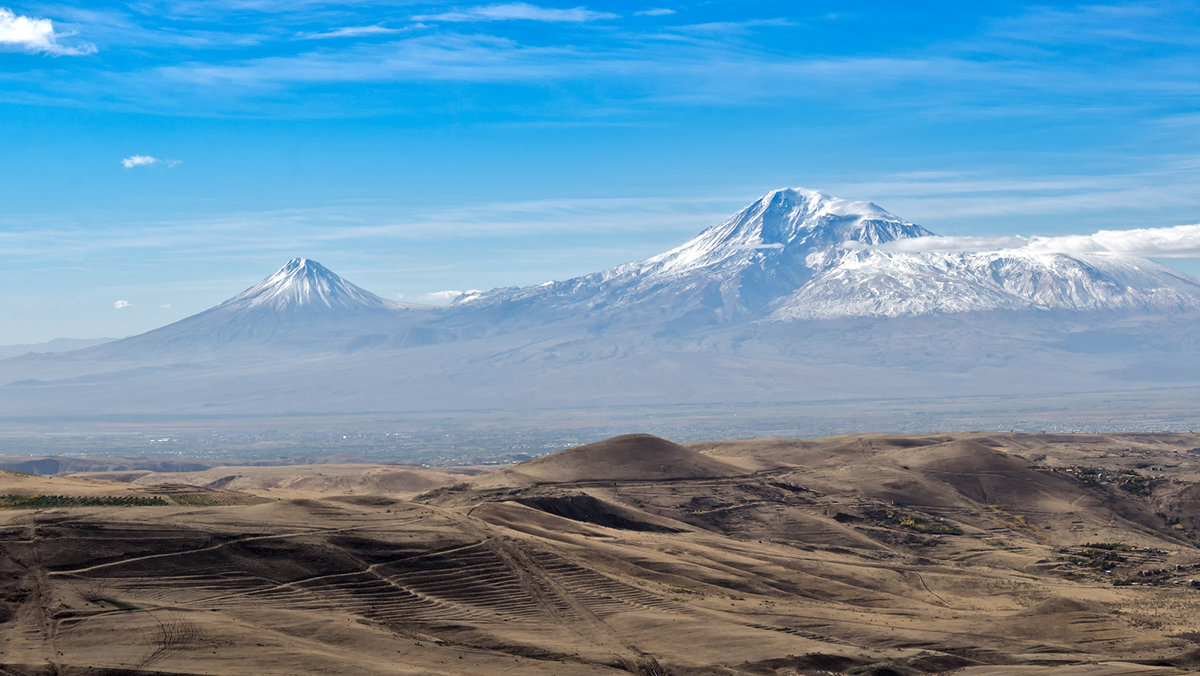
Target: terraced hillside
[(860, 554)]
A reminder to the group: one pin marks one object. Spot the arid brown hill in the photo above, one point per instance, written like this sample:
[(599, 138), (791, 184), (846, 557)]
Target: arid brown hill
[(630, 457)]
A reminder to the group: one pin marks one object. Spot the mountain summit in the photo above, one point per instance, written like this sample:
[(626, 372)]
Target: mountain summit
[(781, 229), (304, 285), (730, 272)]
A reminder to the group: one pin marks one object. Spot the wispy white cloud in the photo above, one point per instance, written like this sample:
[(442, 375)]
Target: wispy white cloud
[(115, 28), (139, 161), (1109, 24), (476, 58), (726, 27), (714, 63), (711, 70), (442, 297), (566, 215), (1181, 241), (36, 35), (1138, 198), (995, 70), (713, 67), (218, 9), (134, 161), (122, 305), (943, 244), (514, 11), (664, 221), (350, 32)]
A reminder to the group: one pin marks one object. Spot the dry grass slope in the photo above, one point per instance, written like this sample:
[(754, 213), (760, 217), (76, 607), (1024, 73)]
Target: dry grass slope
[(858, 554)]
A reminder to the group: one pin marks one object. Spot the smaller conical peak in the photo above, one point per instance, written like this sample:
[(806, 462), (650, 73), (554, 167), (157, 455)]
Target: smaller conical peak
[(298, 263), (305, 265), (299, 268), (303, 284)]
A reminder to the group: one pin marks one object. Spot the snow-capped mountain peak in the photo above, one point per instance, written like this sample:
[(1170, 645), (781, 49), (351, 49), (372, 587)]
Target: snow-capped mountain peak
[(796, 220), (301, 305), (731, 271), (798, 254), (303, 284)]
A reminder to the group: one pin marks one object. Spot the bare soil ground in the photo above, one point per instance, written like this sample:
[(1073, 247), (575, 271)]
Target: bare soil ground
[(865, 554)]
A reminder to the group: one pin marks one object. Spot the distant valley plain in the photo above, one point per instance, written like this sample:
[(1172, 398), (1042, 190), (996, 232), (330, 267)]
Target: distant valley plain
[(458, 437)]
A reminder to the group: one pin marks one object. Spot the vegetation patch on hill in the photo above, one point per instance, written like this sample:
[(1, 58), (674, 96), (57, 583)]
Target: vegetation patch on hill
[(48, 501), (906, 520), (1125, 479)]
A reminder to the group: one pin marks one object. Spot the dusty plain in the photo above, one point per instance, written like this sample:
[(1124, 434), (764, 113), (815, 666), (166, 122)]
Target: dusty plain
[(969, 553)]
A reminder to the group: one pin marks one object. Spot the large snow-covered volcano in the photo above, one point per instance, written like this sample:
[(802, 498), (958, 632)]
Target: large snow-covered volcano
[(732, 271), (801, 254), (798, 296)]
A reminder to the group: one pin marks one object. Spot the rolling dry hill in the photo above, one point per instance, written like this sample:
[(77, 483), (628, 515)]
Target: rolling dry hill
[(300, 481), (631, 457), (865, 554)]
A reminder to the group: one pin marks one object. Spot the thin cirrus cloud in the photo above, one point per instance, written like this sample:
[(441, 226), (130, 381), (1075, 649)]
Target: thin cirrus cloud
[(348, 226), (729, 72), (483, 58), (422, 59), (350, 32), (700, 63), (1111, 25), (29, 34), (1181, 241), (518, 11)]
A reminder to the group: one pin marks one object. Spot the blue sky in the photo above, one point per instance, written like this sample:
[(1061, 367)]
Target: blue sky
[(170, 154)]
